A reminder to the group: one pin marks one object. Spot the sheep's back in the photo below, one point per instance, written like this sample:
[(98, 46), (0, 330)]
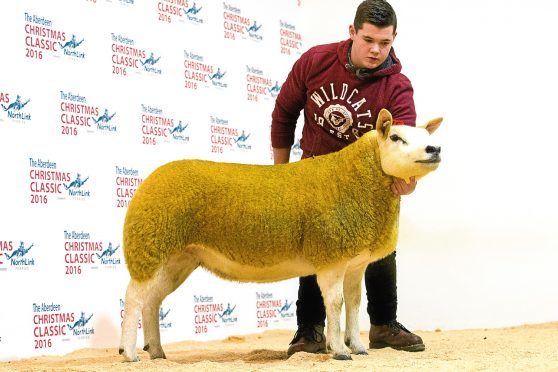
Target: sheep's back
[(254, 214)]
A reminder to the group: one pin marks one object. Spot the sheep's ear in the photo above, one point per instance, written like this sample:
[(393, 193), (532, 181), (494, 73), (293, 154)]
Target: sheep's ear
[(383, 123), (433, 124)]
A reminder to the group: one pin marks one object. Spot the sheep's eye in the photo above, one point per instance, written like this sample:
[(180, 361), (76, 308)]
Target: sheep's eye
[(395, 138)]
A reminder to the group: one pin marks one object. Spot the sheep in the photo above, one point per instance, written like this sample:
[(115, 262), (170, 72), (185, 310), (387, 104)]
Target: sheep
[(330, 215)]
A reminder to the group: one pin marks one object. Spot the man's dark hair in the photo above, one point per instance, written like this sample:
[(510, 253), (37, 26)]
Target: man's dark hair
[(377, 12)]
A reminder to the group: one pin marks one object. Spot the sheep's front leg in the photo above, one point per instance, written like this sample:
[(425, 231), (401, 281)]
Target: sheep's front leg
[(352, 286), (331, 285)]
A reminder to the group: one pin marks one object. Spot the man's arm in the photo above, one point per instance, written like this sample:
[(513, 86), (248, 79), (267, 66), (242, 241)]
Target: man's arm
[(281, 155), (288, 105)]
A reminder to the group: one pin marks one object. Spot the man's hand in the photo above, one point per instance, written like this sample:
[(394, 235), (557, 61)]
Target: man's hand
[(400, 187)]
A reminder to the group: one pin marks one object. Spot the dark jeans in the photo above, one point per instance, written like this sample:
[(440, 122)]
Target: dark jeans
[(381, 291)]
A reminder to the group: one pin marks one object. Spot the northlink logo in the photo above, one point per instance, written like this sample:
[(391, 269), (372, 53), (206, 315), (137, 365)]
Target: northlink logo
[(103, 121), (192, 10), (226, 316), (74, 187), (274, 90), (149, 64), (16, 105), (296, 150), (14, 109), (71, 44), (106, 256), (241, 141), (216, 78), (284, 310), (17, 257), (105, 118), (162, 315), (176, 132), (151, 60), (69, 47), (253, 29), (191, 13), (78, 328)]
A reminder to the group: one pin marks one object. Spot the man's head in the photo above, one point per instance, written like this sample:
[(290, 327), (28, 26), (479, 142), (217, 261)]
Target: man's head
[(372, 33)]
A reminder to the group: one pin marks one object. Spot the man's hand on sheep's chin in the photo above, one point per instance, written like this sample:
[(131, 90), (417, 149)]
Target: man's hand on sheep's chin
[(400, 187)]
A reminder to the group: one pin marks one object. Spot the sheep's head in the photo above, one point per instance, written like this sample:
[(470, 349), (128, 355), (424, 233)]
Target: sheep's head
[(406, 151)]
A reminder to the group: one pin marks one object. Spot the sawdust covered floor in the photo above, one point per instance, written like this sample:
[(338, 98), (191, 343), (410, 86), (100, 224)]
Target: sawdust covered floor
[(522, 348)]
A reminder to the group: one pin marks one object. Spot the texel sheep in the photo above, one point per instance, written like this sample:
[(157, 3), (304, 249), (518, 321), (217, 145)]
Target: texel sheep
[(330, 215)]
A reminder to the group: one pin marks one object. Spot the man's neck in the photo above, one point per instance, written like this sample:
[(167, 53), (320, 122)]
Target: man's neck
[(364, 73)]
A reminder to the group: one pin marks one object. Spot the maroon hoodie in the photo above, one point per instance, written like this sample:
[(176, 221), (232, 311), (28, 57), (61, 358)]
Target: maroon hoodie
[(338, 106)]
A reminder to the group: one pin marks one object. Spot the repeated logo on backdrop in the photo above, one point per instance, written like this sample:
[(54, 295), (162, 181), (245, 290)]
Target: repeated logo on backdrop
[(185, 11), (53, 325), (193, 13), (15, 106), (16, 255), (82, 253), (127, 180), (289, 39), (237, 26), (259, 86), (79, 116), (210, 314), (198, 73), (169, 10), (48, 182), (296, 150), (128, 57), (270, 310), (158, 127), (165, 321), (226, 138), (42, 38)]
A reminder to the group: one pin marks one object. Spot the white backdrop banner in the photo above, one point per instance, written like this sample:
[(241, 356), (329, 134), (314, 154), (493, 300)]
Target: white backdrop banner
[(94, 95)]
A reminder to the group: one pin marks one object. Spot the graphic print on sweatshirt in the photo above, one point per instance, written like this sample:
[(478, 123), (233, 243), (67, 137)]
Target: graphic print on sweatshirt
[(341, 111)]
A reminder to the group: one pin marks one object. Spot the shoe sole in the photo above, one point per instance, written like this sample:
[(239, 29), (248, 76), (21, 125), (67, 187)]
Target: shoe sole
[(291, 352), (410, 348)]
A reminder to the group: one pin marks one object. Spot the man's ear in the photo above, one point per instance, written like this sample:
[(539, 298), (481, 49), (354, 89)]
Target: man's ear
[(433, 124), (352, 31), (383, 123)]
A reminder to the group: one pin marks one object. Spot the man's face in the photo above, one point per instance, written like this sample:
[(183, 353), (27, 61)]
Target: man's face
[(371, 45)]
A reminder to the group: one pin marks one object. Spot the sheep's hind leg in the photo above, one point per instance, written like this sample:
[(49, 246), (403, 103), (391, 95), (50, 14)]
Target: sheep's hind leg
[(352, 286), (167, 280), (331, 285), (132, 312)]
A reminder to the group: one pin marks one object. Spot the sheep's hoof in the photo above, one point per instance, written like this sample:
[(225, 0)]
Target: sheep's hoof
[(122, 352), (358, 349), (342, 357), (158, 356), (155, 352)]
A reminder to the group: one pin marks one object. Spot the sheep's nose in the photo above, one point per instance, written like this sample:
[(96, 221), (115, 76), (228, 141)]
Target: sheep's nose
[(433, 150)]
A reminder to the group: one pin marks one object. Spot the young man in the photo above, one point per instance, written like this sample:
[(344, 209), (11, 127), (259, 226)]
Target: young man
[(341, 87)]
